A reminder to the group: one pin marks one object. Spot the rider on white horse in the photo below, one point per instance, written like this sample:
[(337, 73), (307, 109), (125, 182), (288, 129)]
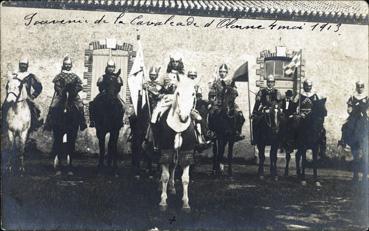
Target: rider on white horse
[(175, 67), (33, 87)]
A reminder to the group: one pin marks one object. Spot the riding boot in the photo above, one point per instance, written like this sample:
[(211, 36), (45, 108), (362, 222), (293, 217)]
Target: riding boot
[(239, 123), (201, 143), (82, 120), (4, 113), (155, 129), (92, 113), (36, 122), (48, 122)]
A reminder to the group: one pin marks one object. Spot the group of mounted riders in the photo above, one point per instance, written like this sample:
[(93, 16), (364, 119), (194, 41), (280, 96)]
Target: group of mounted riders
[(290, 122)]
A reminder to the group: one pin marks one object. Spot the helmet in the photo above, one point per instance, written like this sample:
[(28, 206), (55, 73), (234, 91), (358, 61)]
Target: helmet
[(111, 63), (23, 59), (67, 60), (308, 82), (192, 74), (176, 56), (270, 78), (154, 71), (360, 84), (223, 67)]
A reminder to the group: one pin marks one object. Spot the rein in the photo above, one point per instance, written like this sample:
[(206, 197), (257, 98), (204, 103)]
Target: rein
[(17, 96)]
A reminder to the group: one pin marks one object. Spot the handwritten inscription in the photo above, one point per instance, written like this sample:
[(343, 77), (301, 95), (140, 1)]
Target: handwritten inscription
[(122, 19)]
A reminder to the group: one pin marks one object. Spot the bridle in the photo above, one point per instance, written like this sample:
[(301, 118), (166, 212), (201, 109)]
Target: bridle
[(17, 96)]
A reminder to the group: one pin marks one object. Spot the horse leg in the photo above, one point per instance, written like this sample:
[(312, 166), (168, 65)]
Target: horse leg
[(57, 149), (172, 188), (298, 159), (71, 147), (164, 183), (273, 161), (215, 158), (221, 149), (261, 154), (185, 181), (22, 145), (288, 158), (230, 157), (315, 165), (355, 164), (12, 152), (112, 146), (303, 164), (101, 137)]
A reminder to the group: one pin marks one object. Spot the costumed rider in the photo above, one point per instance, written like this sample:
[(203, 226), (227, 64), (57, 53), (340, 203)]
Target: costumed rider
[(109, 84), (67, 82), (33, 87), (155, 92), (308, 98), (267, 99), (215, 97), (195, 114), (356, 128)]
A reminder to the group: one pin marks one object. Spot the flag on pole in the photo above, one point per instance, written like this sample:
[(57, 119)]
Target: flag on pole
[(242, 73), (136, 78), (295, 62)]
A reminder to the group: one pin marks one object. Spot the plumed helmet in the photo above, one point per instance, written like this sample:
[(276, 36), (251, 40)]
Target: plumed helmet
[(24, 59), (110, 63), (223, 67), (359, 84), (270, 78)]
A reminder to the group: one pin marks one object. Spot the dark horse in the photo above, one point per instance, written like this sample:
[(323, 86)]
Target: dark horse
[(266, 127), (65, 125), (224, 123), (108, 116), (309, 135), (141, 143)]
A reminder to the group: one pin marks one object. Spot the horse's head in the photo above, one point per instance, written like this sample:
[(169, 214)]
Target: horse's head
[(185, 97), (273, 116), (229, 96), (15, 90)]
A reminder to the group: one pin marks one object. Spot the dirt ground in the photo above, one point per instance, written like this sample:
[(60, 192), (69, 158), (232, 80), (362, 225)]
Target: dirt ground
[(40, 200)]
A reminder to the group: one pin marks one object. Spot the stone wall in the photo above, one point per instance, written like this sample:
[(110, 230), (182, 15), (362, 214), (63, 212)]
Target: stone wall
[(334, 61)]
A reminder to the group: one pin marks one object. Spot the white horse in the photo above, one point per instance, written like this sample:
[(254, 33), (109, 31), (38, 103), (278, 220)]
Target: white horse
[(177, 137), (18, 119)]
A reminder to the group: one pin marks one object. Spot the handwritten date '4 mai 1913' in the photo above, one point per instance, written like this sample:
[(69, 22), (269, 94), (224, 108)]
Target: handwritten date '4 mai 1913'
[(190, 21)]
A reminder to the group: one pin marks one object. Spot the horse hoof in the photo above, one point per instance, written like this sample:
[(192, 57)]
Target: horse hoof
[(58, 173), (163, 208), (70, 173), (186, 209), (317, 184), (261, 177), (303, 183)]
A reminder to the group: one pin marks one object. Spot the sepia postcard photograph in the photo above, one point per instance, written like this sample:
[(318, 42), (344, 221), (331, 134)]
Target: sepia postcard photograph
[(184, 115)]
